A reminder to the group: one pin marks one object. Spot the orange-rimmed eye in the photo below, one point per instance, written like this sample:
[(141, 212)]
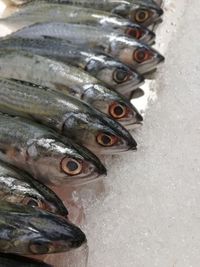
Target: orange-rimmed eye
[(140, 55), (117, 111), (71, 166), (106, 140), (141, 15), (120, 76), (135, 33)]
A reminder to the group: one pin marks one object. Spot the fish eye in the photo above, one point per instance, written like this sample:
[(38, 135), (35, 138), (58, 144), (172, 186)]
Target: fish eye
[(120, 76), (71, 166), (40, 248), (117, 111), (141, 15), (32, 202), (140, 55), (106, 140), (135, 33)]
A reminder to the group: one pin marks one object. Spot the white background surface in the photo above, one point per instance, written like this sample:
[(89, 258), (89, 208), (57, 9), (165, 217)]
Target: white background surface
[(146, 213)]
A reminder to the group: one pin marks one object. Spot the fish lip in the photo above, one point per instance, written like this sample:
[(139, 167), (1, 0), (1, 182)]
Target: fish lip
[(160, 11), (101, 170), (80, 240), (132, 144), (160, 58)]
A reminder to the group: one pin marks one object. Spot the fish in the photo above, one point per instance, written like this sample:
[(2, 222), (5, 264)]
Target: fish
[(17, 186), (46, 156), (108, 70), (144, 12), (138, 55), (69, 80), (30, 231), (66, 115), (10, 260), (44, 12)]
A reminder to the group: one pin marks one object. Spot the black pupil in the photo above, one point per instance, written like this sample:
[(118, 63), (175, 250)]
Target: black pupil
[(41, 248), (134, 33), (72, 165), (33, 203), (141, 55), (142, 15), (118, 110), (121, 75), (106, 140)]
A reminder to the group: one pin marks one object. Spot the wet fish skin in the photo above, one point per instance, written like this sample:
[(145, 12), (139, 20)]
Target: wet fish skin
[(18, 187), (29, 231), (45, 12), (43, 154), (69, 80), (66, 115), (113, 73), (138, 55), (144, 12), (10, 260)]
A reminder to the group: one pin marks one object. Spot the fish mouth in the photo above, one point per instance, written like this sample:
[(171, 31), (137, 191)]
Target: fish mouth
[(149, 38), (136, 120)]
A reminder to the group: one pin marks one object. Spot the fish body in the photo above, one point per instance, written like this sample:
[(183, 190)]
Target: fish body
[(44, 12), (144, 12), (18, 187), (129, 51), (70, 81), (111, 72), (29, 231), (46, 156), (67, 115), (10, 260)]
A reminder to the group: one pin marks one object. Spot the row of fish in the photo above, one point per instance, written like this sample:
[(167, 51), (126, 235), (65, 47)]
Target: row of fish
[(68, 70)]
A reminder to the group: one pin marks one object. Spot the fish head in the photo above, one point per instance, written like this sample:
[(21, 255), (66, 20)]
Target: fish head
[(113, 73), (60, 161), (136, 54), (145, 12), (113, 104), (30, 231), (56, 234), (98, 132)]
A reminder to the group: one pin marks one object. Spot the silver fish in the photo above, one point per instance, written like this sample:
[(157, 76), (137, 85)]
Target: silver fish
[(68, 80), (113, 73), (46, 156), (10, 260), (132, 52), (144, 12), (29, 231), (18, 187), (66, 115), (44, 12)]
